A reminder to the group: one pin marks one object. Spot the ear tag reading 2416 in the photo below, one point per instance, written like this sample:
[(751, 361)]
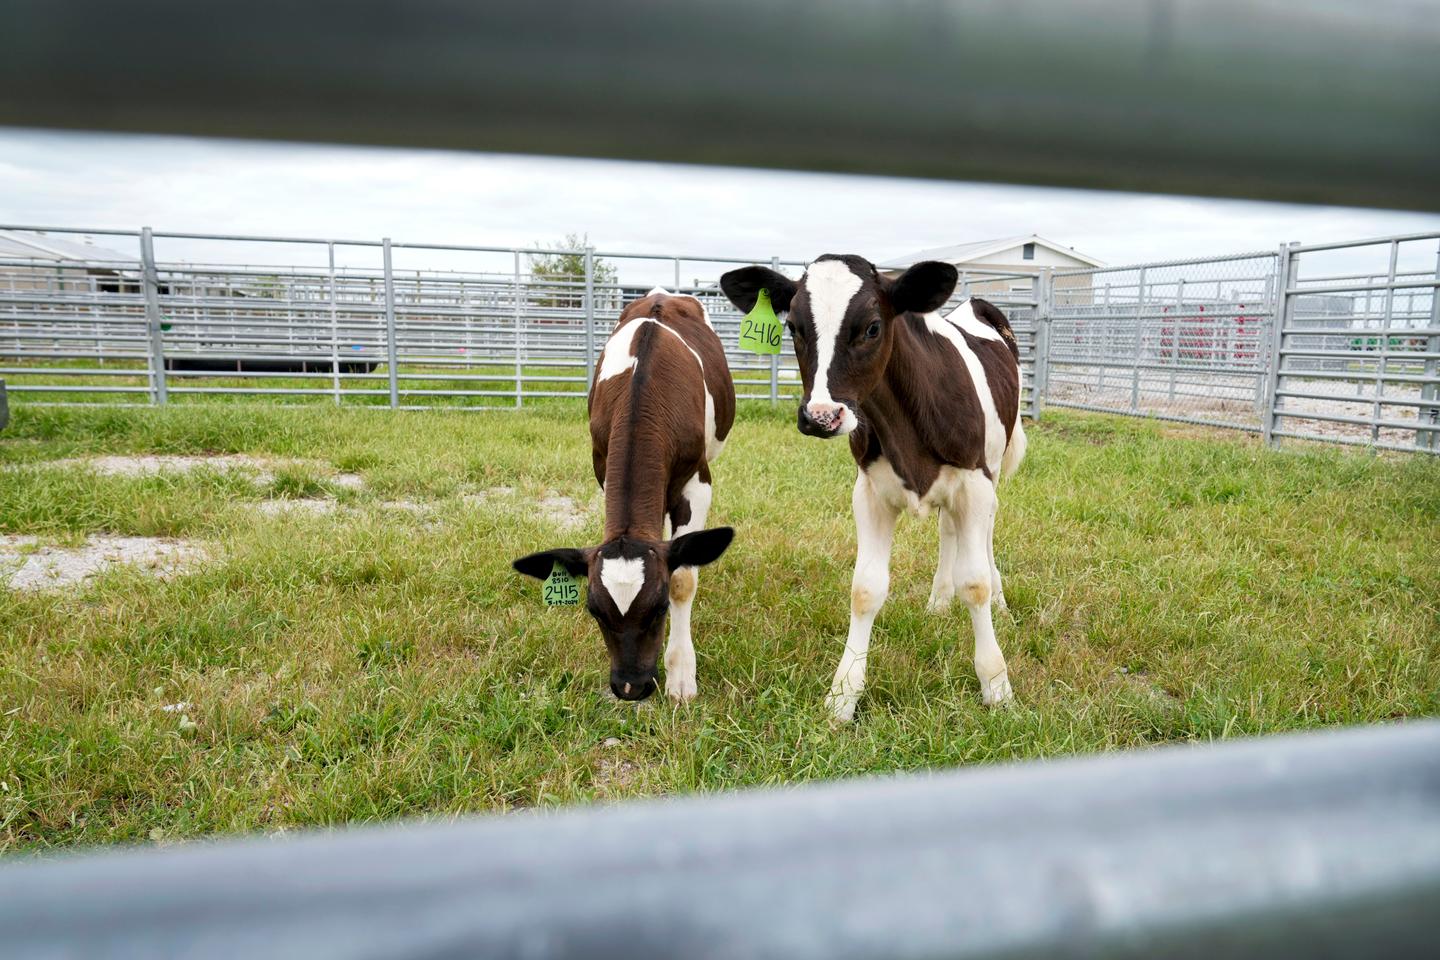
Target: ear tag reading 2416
[(760, 330), (561, 590)]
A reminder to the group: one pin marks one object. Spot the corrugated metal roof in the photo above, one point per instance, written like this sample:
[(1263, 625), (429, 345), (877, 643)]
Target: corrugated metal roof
[(25, 245)]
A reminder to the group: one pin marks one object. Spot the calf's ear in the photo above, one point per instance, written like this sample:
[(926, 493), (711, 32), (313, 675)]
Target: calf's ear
[(699, 548), (539, 565), (743, 287), (924, 287)]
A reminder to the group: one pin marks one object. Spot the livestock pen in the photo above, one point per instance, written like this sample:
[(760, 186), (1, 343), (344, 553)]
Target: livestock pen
[(1210, 586)]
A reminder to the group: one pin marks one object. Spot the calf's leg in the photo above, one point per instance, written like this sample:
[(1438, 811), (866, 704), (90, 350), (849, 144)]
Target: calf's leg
[(975, 506), (687, 515), (874, 533), (942, 588)]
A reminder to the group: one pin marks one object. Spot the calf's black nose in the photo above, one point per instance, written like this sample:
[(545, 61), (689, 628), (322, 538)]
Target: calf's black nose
[(807, 424), (811, 427), (635, 688)]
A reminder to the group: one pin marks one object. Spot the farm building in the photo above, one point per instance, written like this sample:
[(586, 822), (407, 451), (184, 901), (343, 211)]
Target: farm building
[(35, 260), (1022, 254)]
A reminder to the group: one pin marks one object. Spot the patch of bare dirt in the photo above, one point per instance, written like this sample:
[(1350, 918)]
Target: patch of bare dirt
[(407, 506), (312, 506), (1146, 689), (31, 566), (615, 775), (556, 508), (561, 511), (261, 470), (481, 497)]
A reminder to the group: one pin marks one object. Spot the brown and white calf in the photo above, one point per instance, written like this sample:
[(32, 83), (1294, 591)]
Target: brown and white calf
[(931, 405), (661, 406)]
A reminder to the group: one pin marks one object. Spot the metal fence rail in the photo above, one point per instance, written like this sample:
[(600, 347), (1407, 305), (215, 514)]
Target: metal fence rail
[(1315, 845), (1171, 96)]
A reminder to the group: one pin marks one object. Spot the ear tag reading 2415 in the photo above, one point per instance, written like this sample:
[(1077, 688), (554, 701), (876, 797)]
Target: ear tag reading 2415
[(760, 330), (561, 590)]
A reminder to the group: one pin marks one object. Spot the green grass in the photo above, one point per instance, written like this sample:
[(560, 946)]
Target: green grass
[(1166, 584)]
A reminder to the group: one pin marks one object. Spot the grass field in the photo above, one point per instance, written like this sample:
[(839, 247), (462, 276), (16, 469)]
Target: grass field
[(1165, 584)]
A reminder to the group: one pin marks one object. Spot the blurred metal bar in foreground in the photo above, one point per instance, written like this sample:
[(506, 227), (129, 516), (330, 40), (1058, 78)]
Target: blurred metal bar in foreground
[(1315, 845), (1336, 101)]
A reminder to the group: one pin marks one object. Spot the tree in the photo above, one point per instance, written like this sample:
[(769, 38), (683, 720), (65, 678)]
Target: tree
[(554, 272)]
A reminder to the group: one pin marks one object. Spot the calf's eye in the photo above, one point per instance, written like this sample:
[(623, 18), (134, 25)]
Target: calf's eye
[(873, 331)]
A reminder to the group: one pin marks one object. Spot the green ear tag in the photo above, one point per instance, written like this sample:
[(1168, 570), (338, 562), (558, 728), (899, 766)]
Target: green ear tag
[(760, 330), (561, 590)]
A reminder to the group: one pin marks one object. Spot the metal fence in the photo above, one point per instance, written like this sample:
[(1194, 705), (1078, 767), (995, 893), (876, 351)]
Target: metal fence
[(1294, 343), (1291, 343), (358, 321), (1182, 340)]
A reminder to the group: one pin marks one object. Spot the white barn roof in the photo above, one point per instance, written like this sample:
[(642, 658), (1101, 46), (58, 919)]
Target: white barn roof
[(976, 250)]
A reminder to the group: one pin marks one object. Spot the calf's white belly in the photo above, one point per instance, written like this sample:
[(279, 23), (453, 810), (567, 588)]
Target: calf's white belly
[(889, 488)]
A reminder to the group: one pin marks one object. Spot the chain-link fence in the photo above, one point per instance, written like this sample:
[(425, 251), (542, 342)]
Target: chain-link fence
[(90, 317)]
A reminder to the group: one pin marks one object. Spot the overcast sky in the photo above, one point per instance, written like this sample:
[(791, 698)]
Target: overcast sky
[(170, 183)]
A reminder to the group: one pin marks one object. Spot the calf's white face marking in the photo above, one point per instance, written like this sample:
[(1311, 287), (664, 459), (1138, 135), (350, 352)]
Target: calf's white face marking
[(623, 579), (831, 286)]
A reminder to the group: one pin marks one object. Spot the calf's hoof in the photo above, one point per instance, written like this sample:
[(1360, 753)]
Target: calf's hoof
[(680, 689), (841, 707), (996, 691)]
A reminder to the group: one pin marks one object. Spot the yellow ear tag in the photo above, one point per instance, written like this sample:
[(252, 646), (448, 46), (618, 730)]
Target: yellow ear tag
[(561, 590), (760, 330)]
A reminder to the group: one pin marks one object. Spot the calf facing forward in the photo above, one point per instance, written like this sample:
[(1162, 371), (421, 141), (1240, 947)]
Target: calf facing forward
[(660, 408), (931, 406)]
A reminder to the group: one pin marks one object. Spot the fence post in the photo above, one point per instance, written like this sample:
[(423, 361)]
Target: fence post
[(519, 335), (159, 389), (1139, 342), (589, 318), (1383, 360), (1106, 322), (1426, 437), (392, 352), (1040, 350), (1175, 330), (774, 357), (1270, 415), (334, 328), (1262, 342)]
